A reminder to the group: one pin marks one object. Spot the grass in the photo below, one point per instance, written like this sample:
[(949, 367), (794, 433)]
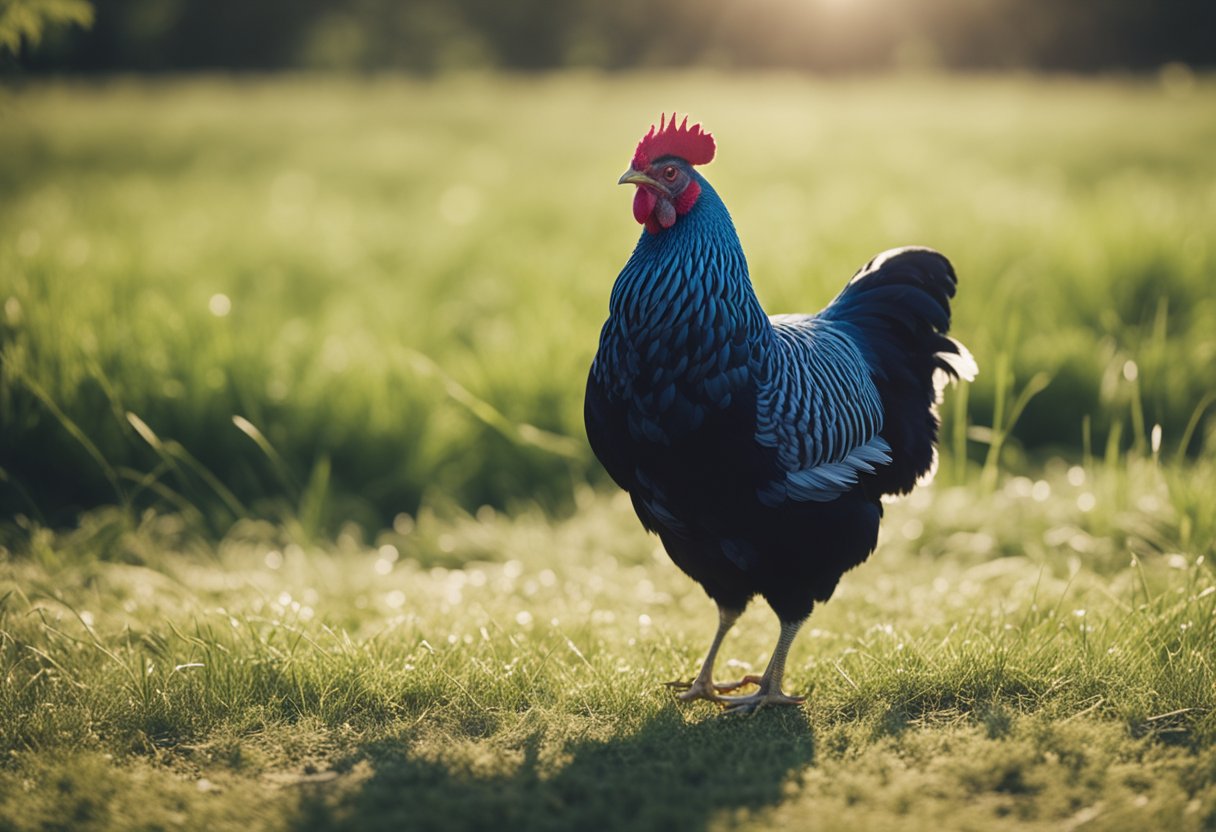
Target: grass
[(299, 530), (384, 278), (1034, 657)]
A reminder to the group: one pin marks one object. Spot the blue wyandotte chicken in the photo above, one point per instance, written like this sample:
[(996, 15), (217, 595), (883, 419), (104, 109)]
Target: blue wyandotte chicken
[(758, 447)]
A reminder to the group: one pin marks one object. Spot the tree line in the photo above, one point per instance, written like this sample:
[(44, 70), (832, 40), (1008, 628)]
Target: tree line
[(428, 36)]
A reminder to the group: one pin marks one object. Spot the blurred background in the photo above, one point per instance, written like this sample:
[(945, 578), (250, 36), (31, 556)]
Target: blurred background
[(432, 36), (324, 263)]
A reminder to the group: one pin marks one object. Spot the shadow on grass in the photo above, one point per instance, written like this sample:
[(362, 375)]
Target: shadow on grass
[(667, 775)]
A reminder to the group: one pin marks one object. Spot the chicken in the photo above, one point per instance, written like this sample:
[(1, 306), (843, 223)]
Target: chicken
[(758, 448)]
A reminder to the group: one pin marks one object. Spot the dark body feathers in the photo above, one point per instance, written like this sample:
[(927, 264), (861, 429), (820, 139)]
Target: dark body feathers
[(757, 448)]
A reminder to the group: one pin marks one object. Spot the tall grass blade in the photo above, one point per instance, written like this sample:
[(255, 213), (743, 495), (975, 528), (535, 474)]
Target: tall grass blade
[(281, 468), (519, 433), (174, 456), (1003, 424), (959, 441), (76, 433), (1192, 425), (311, 513)]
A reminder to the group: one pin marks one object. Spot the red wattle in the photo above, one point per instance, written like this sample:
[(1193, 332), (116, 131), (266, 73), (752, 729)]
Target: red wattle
[(643, 203)]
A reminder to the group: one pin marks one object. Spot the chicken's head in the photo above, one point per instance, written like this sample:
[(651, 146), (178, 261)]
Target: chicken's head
[(662, 170)]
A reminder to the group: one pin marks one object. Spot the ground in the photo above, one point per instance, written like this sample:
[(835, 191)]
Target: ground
[(299, 529), (1007, 659)]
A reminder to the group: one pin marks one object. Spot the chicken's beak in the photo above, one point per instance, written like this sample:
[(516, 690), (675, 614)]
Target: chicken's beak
[(636, 177)]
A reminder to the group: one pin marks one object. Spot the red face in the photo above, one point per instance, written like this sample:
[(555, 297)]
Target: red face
[(666, 190)]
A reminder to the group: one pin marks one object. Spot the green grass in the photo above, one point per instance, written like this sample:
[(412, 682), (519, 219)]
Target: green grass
[(1038, 656), (367, 233), (298, 529)]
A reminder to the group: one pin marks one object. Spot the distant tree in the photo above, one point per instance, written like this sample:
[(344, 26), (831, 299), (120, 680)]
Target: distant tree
[(429, 36), (23, 21)]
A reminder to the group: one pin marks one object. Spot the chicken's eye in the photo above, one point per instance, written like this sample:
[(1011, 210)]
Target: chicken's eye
[(669, 173)]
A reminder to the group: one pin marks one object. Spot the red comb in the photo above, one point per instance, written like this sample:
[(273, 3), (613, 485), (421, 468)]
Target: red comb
[(684, 142)]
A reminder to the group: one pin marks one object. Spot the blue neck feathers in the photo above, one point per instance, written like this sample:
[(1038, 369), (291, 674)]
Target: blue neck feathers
[(693, 272)]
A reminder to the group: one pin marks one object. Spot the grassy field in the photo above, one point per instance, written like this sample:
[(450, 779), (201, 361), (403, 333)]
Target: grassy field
[(299, 530), (1038, 657), (387, 279)]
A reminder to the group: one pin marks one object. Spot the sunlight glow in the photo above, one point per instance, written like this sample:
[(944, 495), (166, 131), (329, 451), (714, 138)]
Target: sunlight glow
[(220, 305)]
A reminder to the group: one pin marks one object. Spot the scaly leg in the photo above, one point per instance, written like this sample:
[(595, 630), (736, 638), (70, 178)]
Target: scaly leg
[(770, 683), (703, 686)]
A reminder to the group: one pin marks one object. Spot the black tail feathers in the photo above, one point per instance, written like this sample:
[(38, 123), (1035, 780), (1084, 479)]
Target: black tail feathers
[(899, 304)]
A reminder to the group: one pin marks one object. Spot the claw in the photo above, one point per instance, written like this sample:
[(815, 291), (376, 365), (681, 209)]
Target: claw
[(696, 689), (701, 689), (754, 702), (769, 685)]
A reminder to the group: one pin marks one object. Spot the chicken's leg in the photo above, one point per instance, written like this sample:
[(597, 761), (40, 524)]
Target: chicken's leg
[(770, 683), (703, 686)]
